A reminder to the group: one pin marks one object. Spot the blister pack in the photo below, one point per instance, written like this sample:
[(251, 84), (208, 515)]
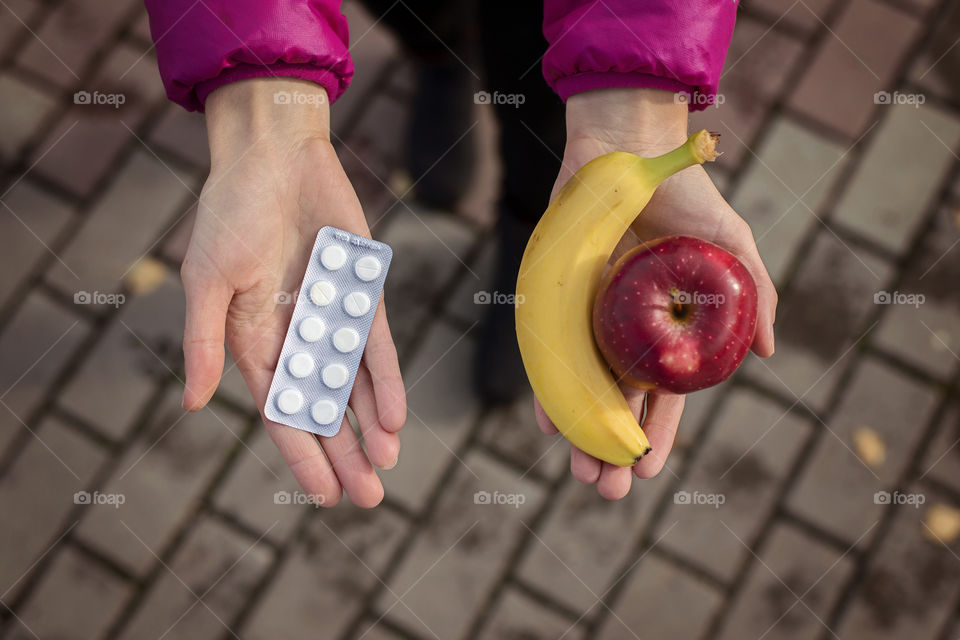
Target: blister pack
[(328, 331)]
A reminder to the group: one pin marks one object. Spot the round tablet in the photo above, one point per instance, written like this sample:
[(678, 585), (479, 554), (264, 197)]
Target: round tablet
[(346, 340), (289, 401), (322, 293), (324, 411), (333, 257), (300, 365), (311, 328), (356, 304), (334, 375), (367, 268)]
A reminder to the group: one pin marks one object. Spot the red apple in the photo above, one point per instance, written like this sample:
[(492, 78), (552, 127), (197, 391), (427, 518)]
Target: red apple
[(676, 314)]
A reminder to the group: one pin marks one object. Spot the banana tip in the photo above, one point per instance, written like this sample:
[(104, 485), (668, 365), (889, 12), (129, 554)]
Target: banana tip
[(640, 457)]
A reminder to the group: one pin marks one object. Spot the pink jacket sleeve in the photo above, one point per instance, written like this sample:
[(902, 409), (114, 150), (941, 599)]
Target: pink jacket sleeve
[(204, 44), (677, 45)]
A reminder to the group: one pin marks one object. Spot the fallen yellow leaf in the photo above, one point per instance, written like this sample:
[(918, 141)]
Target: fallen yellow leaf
[(943, 523), (870, 446)]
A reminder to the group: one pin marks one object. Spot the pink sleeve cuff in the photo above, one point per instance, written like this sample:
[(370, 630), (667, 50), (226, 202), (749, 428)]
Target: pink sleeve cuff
[(579, 82), (333, 83)]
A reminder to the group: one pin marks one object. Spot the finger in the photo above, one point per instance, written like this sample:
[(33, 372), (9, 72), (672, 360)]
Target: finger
[(543, 420), (380, 357), (382, 446), (763, 341), (583, 466), (352, 466), (660, 425), (203, 334), (614, 482)]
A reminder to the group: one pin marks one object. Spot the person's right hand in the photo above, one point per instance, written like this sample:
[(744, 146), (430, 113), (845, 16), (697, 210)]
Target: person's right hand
[(274, 181)]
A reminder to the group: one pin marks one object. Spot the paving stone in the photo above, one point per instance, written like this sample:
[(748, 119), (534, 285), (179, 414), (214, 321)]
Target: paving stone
[(210, 580), (745, 460), (12, 19), (911, 584), (585, 540), (69, 38), (789, 591), (934, 68), (39, 488), (943, 455), (183, 133), (695, 416), (123, 225), (373, 630), (893, 189), (233, 386), (384, 125), (30, 220), (76, 598), (464, 548), (807, 15), (324, 580), (249, 490), (132, 72), (512, 431), (141, 27), (755, 71), (20, 114), (463, 303), (140, 347), (441, 408), (820, 320), (856, 60), (174, 244), (782, 190), (518, 616), (898, 409), (672, 603), (37, 343), (161, 477)]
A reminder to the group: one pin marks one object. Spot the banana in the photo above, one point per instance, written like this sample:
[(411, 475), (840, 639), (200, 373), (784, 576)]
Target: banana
[(557, 284)]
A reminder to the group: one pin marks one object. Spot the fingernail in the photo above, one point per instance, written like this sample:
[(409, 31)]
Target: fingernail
[(392, 464)]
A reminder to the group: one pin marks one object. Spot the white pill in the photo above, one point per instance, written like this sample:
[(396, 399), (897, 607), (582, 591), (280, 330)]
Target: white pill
[(322, 293), (289, 401), (324, 411), (311, 328), (333, 257), (346, 340), (335, 375), (356, 304), (300, 365), (367, 268)]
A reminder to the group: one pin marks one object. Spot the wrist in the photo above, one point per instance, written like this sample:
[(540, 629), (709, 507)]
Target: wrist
[(639, 120), (272, 114)]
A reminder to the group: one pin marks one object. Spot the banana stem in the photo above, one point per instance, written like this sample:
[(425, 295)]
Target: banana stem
[(699, 148)]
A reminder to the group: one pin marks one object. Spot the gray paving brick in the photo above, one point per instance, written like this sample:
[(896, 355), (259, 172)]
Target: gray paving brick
[(789, 590), (323, 580), (13, 19), (455, 562), (895, 407), (932, 68), (248, 491), (29, 219), (462, 304), (585, 540), (695, 416), (123, 225), (76, 598), (209, 581), (441, 409), (807, 15), (39, 488), (745, 459), (21, 114), (184, 133), (661, 601), (782, 186), (820, 320), (911, 584), (942, 460), (161, 477), (516, 615), (130, 71), (905, 163), (513, 432)]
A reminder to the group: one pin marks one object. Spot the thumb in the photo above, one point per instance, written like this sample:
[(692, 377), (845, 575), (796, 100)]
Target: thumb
[(203, 336)]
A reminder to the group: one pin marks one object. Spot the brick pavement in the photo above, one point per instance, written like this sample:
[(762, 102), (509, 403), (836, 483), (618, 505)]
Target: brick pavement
[(848, 199)]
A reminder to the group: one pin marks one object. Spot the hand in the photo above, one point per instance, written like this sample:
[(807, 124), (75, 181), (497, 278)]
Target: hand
[(649, 122), (274, 181)]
